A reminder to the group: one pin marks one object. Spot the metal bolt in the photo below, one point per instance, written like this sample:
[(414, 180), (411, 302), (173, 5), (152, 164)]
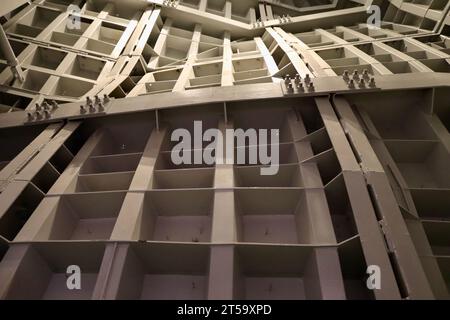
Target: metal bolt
[(100, 106), (82, 109), (45, 105), (361, 83), (91, 108), (345, 75), (365, 73), (97, 99), (37, 107), (290, 87), (38, 115), (88, 101), (54, 104), (287, 79), (355, 75), (46, 114), (372, 82), (30, 116), (351, 83), (300, 87), (311, 86), (105, 98), (297, 78), (307, 78)]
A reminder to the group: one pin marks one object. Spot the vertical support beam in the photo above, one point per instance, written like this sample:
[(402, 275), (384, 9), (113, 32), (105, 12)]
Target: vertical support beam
[(118, 261), (224, 215), (297, 62), (160, 44), (224, 228), (268, 59), (13, 264), (10, 56), (372, 242), (307, 55), (202, 5), (187, 70), (319, 218), (222, 272), (262, 12), (227, 8), (252, 15), (227, 66), (393, 224), (8, 173), (269, 12), (130, 216)]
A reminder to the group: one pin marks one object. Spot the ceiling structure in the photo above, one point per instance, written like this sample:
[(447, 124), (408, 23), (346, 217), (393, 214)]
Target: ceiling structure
[(132, 48), (89, 98)]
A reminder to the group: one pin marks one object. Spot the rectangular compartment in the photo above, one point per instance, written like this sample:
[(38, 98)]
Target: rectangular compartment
[(423, 164), (71, 88), (23, 136), (121, 139), (288, 175), (108, 32), (165, 272), (34, 21), (250, 155), (279, 273), (75, 218), (341, 209), (400, 121), (272, 215), (101, 182), (85, 67), (444, 265), (167, 161), (269, 119), (64, 38), (354, 269), (34, 80), (177, 215), (46, 58), (98, 46), (42, 272), (184, 178), (111, 163), (438, 234), (12, 221), (400, 67), (432, 203)]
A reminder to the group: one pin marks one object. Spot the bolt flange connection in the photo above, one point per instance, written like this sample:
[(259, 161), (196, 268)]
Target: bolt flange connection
[(307, 78), (351, 84), (54, 104)]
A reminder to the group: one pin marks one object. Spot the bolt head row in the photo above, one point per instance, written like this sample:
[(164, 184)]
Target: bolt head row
[(42, 111), (94, 105), (355, 77), (298, 84)]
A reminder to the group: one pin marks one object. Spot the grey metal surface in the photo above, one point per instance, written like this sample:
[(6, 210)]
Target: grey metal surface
[(86, 176)]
